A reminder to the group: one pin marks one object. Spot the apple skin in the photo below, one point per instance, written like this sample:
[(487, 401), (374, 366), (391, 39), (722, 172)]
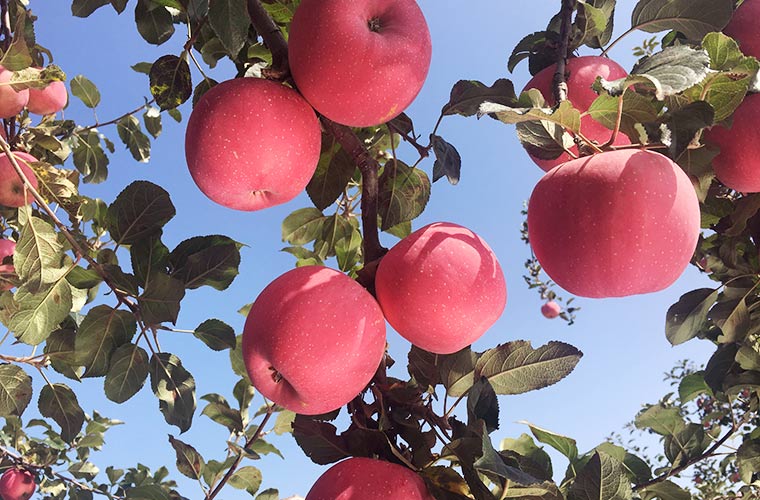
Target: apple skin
[(352, 74), (11, 102), (321, 332), (581, 73), (252, 143), (49, 100), (743, 28), (11, 185), (441, 287), (17, 484), (361, 478), (614, 224), (737, 164), (551, 310), (7, 247)]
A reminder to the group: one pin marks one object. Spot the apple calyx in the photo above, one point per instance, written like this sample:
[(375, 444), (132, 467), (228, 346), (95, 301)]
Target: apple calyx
[(374, 24)]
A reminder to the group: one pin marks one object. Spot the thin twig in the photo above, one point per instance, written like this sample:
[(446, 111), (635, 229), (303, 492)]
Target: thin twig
[(560, 85), (115, 120)]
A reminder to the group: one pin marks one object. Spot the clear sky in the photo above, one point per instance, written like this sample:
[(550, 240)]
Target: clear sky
[(623, 340)]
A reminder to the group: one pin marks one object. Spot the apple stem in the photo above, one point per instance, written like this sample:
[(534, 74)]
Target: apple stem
[(560, 85)]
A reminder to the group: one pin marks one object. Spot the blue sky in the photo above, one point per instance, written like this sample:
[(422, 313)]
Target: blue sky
[(623, 340)]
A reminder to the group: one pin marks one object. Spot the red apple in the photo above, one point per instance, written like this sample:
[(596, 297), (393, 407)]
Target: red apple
[(359, 62), (313, 340), (11, 102), (614, 224), (551, 309), (441, 287), (7, 247), (581, 72), (743, 27), (12, 192), (738, 164), (17, 484), (49, 100), (252, 143), (369, 479)]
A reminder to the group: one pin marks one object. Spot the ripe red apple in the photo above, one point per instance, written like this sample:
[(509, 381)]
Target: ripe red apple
[(49, 100), (581, 72), (252, 143), (551, 309), (614, 224), (359, 62), (7, 247), (17, 484), (441, 287), (313, 340), (361, 478), (743, 27), (12, 192), (737, 164), (11, 102)]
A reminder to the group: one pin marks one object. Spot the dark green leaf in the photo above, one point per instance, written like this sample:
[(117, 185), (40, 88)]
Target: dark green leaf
[(229, 22), (467, 96), (220, 412), (102, 331), (85, 90), (206, 260), (59, 402), (140, 211), (161, 299), (403, 193), (748, 459), (246, 478), (189, 461), (216, 334), (334, 170), (38, 255), (666, 490), (457, 371), (720, 366), (684, 445), (134, 138), (595, 22), (688, 317), (663, 421), (149, 257), (602, 478), (15, 390), (89, 157), (35, 316), (319, 440), (270, 494), (693, 18), (128, 372), (83, 8), (175, 389), (170, 81), (532, 459), (154, 22), (302, 226), (60, 348), (152, 120), (447, 160), (482, 404), (204, 86), (693, 385)]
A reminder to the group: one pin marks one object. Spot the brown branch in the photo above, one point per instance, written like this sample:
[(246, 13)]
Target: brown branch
[(559, 83), (115, 120), (273, 38), (35, 361)]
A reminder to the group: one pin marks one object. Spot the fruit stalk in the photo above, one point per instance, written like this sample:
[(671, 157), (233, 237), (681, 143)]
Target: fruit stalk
[(560, 86)]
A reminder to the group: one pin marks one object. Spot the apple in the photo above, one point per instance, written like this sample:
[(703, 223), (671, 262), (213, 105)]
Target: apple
[(551, 309), (614, 224), (360, 478), (359, 62), (17, 484), (7, 247), (313, 340), (737, 164), (49, 100), (441, 287), (743, 27), (11, 101), (12, 191), (252, 143), (581, 72)]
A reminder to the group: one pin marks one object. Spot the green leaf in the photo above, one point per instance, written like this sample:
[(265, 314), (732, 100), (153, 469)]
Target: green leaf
[(60, 349), (663, 421), (35, 316), (152, 120), (175, 389), (189, 461), (736, 326), (693, 385), (496, 466), (134, 138), (160, 302), (532, 459), (302, 226), (229, 22), (127, 374), (636, 109), (170, 81), (348, 250), (725, 91), (748, 459), (686, 444), (688, 317), (205, 260), (204, 86), (666, 490), (154, 22), (682, 126), (102, 331), (336, 228), (482, 404), (85, 90), (457, 371), (15, 390), (83, 8), (246, 478), (602, 478), (468, 95), (18, 57), (403, 193), (595, 22), (693, 18), (216, 334), (529, 109), (283, 424), (146, 492), (334, 171), (447, 160), (140, 211), (723, 50), (270, 494), (220, 412), (319, 440), (516, 368), (149, 257), (58, 401), (89, 157), (236, 359), (563, 444), (38, 255)]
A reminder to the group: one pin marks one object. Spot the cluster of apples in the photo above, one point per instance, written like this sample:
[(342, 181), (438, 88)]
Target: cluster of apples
[(17, 484), (614, 224), (44, 101)]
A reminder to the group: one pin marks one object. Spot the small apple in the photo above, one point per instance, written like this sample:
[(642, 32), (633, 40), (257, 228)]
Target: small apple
[(614, 224), (7, 247), (49, 100), (313, 340), (737, 164), (11, 101), (361, 478), (359, 62), (743, 27), (581, 72), (252, 143), (12, 191), (551, 309), (441, 287), (17, 484)]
